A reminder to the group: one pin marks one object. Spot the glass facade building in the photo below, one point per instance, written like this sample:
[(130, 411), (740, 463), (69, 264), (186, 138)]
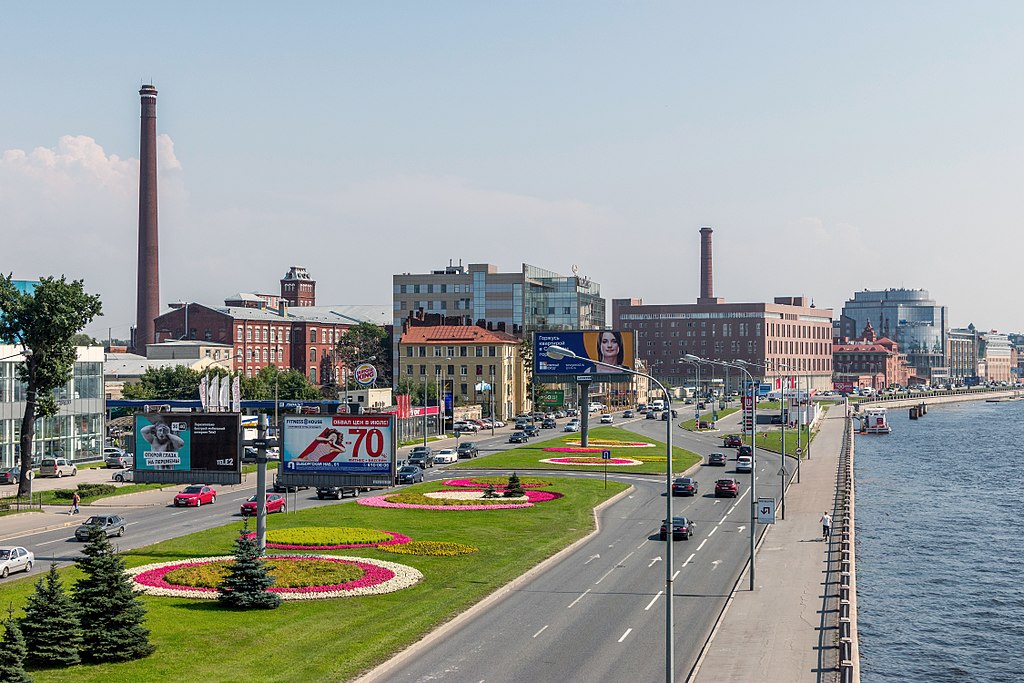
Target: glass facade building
[(910, 317)]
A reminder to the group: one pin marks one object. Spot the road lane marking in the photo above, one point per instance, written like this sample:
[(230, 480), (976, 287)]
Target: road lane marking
[(605, 576), (643, 544), (180, 512), (540, 631), (626, 558), (726, 516), (657, 559), (676, 574), (710, 533), (653, 600), (578, 599), (692, 555), (625, 634), (49, 542), (591, 559), (702, 543)]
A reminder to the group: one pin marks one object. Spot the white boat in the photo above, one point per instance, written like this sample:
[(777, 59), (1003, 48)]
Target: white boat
[(874, 421)]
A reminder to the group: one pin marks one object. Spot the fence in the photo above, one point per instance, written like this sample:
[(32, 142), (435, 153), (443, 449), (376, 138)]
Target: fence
[(840, 600)]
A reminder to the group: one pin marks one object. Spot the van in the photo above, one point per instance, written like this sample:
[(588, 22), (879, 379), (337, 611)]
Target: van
[(57, 467)]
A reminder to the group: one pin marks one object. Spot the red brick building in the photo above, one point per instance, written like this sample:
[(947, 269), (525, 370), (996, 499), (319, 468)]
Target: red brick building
[(870, 361)]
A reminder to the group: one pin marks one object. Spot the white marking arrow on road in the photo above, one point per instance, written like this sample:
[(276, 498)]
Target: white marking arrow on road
[(592, 558), (714, 564), (740, 528), (657, 559)]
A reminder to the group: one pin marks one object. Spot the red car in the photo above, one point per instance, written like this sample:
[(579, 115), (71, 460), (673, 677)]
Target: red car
[(195, 495), (733, 441), (275, 503), (727, 487)]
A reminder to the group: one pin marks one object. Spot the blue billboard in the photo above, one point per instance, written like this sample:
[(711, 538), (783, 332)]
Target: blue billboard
[(615, 350)]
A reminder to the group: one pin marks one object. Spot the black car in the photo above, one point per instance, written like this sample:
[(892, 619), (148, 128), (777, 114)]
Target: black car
[(684, 486), (9, 475), (518, 437), (280, 487), (422, 458), (652, 415), (113, 525), (745, 450), (409, 474), (681, 528), (468, 450), (716, 459), (548, 423), (336, 492), (531, 430), (627, 413)]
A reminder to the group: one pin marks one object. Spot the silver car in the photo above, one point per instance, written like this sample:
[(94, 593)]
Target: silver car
[(15, 559)]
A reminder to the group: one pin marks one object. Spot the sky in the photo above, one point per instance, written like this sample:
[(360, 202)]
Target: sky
[(832, 147)]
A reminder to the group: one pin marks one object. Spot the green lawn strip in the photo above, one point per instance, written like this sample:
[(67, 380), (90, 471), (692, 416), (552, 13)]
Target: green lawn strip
[(52, 497), (706, 417), (528, 456), (419, 441), (772, 440), (336, 640)]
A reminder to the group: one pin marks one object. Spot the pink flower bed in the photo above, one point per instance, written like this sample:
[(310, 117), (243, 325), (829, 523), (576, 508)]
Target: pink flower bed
[(593, 461), (531, 496), (476, 485), (396, 539), (566, 449)]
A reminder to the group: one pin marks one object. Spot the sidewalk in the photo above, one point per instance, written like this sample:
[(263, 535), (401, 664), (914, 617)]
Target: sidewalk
[(773, 633)]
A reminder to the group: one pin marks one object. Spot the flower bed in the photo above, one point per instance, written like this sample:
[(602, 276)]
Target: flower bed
[(331, 538), (497, 482), (402, 500), (434, 548), (612, 443), (474, 495), (377, 577), (622, 462)]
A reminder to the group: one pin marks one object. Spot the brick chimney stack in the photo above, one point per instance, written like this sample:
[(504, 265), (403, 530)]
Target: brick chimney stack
[(148, 283), (707, 286)]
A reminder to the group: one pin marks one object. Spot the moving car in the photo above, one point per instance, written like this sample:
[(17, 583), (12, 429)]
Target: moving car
[(275, 503), (280, 487), (685, 486), (112, 525), (548, 423), (446, 456), (9, 475), (531, 430), (56, 467), (716, 459), (195, 495), (336, 492), (733, 441), (422, 456), (14, 558), (652, 415), (627, 413), (606, 419), (681, 528), (745, 450), (744, 463), (124, 475), (518, 437), (468, 450), (571, 426), (727, 488), (409, 474)]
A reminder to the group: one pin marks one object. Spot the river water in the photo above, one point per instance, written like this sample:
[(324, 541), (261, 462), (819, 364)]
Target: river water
[(940, 555)]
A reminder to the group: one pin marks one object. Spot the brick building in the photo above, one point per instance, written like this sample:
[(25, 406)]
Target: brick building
[(870, 361)]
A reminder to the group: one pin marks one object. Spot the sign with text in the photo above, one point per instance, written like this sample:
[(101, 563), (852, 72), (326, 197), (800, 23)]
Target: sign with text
[(338, 444), (613, 347), (843, 387), (766, 511), (182, 442), (551, 398)]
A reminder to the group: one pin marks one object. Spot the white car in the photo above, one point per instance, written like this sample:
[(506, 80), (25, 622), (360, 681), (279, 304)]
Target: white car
[(124, 475), (606, 419), (446, 456), (744, 463), (15, 559), (466, 427), (571, 426)]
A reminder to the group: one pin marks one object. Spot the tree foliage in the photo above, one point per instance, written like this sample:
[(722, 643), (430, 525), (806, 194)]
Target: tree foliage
[(181, 383), (46, 322), (366, 342), (291, 385), (248, 577), (12, 654), (111, 613), (50, 625), (171, 383)]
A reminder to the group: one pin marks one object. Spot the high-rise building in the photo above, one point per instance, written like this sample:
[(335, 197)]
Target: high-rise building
[(908, 316)]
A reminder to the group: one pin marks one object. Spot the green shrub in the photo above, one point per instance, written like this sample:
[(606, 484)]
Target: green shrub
[(63, 494), (326, 535), (95, 490)]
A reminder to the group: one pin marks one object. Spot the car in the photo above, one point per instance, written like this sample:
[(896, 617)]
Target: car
[(336, 492), (124, 475), (464, 426), (571, 426), (627, 413), (685, 486), (422, 458), (275, 503), (57, 467), (280, 487), (716, 459), (732, 441), (10, 475), (607, 419), (652, 415), (409, 474), (744, 463), (518, 437), (14, 558), (664, 416), (548, 423), (681, 528), (446, 456), (467, 450), (727, 488), (745, 450), (112, 525), (522, 424), (531, 430), (116, 458), (195, 496)]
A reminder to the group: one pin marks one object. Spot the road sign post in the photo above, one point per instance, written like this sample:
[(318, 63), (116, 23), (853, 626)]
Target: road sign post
[(766, 511), (606, 455)]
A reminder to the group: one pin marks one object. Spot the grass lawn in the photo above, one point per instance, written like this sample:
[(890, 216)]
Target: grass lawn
[(335, 640), (772, 440), (528, 456), (706, 417)]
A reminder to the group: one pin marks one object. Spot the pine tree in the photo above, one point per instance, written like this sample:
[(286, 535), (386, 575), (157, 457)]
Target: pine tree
[(248, 578), (110, 611), (50, 625), (514, 488), (491, 492), (13, 652)]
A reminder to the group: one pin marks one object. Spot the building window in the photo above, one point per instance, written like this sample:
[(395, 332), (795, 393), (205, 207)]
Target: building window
[(479, 370), (248, 334), (464, 369), (408, 351), (423, 351), (312, 355), (463, 351), (479, 352), (312, 375), (312, 336), (239, 336)]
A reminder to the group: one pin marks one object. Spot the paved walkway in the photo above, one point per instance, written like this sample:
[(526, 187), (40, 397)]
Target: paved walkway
[(771, 634)]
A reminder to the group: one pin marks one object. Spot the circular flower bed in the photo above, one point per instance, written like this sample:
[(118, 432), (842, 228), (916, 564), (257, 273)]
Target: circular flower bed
[(330, 538), (472, 495), (498, 482), (451, 504), (435, 548), (612, 443), (593, 461), (366, 577)]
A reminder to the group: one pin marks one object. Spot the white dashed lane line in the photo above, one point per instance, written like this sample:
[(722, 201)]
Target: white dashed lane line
[(578, 599), (653, 600), (628, 630), (540, 631)]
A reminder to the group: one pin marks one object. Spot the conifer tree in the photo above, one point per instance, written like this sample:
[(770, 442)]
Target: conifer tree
[(514, 488), (12, 653), (491, 492), (248, 577), (50, 625), (110, 611)]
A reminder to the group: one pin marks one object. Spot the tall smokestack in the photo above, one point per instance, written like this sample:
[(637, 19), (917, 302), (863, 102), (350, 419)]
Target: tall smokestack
[(148, 294), (707, 287)]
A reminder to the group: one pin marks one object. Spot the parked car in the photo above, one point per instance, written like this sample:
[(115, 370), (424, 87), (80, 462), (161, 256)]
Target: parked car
[(14, 558), (745, 450), (607, 419), (464, 426), (744, 463), (732, 441), (116, 458), (57, 467), (467, 450), (571, 426), (548, 423), (112, 525), (716, 459), (124, 475), (10, 475), (336, 492), (531, 430), (446, 456), (685, 486), (681, 528), (727, 488), (195, 496), (518, 437), (627, 413), (275, 503), (409, 474)]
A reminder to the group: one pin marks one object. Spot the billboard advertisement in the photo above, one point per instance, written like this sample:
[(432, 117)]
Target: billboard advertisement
[(181, 442), (338, 444), (609, 346), (843, 387)]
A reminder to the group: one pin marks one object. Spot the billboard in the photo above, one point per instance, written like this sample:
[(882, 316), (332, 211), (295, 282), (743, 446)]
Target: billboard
[(338, 444), (185, 442), (843, 387), (610, 346), (551, 398)]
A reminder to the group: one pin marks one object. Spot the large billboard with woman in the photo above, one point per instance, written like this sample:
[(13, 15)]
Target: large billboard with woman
[(611, 347)]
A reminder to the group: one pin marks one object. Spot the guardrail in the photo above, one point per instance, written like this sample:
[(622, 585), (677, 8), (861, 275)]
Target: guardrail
[(843, 515)]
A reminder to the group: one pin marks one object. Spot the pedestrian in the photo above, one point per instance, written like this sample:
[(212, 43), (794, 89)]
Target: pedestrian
[(75, 500), (826, 525)]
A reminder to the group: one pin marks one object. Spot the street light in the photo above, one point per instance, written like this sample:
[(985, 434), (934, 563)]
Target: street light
[(558, 353), (753, 450)]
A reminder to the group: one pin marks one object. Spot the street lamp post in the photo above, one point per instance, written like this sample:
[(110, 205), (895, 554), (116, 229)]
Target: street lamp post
[(784, 413), (423, 403), (557, 353)]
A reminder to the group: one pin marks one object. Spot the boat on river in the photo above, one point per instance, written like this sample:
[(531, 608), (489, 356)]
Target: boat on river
[(874, 421)]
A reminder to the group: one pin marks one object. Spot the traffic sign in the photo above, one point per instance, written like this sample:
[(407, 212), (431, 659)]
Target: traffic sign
[(782, 472), (606, 455), (799, 451), (766, 510), (584, 378)]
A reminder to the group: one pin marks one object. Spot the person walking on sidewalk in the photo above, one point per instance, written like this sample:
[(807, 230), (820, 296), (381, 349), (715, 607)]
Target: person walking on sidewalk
[(75, 500), (826, 525)]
